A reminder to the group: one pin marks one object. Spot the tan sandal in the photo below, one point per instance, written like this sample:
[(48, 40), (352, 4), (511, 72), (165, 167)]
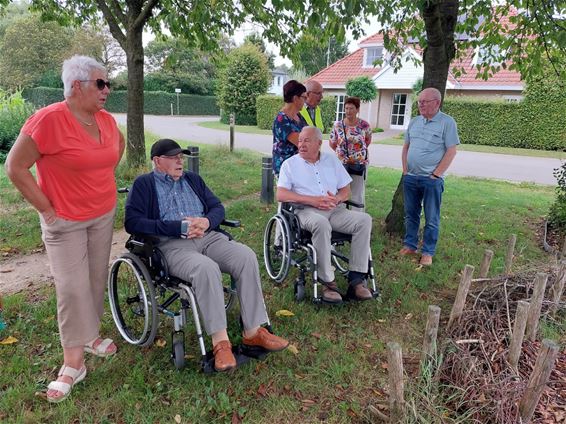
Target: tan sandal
[(101, 348), (65, 388)]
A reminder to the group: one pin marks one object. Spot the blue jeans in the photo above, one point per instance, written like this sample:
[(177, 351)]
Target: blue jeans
[(422, 192)]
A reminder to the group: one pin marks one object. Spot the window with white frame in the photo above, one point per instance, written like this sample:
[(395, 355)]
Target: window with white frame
[(340, 106), (373, 54)]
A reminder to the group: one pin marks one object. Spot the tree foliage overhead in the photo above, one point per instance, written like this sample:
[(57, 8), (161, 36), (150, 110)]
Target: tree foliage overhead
[(245, 77), (315, 50), (362, 87), (257, 40)]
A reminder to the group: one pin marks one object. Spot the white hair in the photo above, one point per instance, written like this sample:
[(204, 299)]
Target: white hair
[(316, 130), (78, 68)]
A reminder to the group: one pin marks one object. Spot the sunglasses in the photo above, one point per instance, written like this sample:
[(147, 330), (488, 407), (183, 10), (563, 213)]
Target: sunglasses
[(100, 83)]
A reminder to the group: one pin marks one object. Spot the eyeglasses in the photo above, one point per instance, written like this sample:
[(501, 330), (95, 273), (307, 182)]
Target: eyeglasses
[(424, 102), (180, 156), (100, 83), (303, 96)]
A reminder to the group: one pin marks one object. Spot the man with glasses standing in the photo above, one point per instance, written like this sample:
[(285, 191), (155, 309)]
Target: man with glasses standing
[(310, 113), (429, 148), (178, 208)]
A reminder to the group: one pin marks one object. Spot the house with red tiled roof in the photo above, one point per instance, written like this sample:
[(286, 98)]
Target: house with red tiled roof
[(392, 107)]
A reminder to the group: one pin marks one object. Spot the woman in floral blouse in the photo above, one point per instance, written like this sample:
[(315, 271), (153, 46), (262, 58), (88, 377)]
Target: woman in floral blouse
[(350, 138), (287, 124)]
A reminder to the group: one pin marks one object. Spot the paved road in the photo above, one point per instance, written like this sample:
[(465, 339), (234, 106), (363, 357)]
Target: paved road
[(469, 164)]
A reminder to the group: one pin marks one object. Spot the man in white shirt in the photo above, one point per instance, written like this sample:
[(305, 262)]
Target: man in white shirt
[(319, 181)]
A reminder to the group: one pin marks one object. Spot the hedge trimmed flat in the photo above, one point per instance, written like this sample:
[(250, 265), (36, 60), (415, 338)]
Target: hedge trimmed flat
[(101, 349), (65, 388)]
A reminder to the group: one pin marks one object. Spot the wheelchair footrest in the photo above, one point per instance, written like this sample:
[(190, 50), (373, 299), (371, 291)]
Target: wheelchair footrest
[(243, 355)]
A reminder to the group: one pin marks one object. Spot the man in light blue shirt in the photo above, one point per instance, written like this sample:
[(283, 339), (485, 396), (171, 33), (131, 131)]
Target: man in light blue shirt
[(430, 147)]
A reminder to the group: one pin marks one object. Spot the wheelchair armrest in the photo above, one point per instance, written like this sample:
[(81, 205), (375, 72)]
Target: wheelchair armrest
[(123, 189), (349, 203), (234, 223)]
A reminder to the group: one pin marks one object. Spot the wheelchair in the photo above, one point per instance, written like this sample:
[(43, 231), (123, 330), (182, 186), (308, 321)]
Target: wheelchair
[(140, 288), (286, 245)]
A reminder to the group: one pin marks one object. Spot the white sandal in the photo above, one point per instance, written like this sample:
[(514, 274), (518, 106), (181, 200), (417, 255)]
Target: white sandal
[(65, 388), (100, 349)]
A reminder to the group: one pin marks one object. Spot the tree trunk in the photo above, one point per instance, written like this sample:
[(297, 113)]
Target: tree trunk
[(136, 141), (440, 19), (395, 220)]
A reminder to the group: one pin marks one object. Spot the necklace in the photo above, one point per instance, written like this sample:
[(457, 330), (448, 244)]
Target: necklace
[(88, 124)]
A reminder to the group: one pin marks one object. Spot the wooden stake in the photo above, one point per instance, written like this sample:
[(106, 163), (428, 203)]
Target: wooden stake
[(518, 334), (485, 263), (431, 331), (558, 287), (539, 378), (510, 253), (396, 387), (461, 295), (536, 305)]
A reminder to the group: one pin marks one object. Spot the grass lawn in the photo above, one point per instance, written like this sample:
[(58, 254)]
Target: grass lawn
[(398, 141), (339, 366)]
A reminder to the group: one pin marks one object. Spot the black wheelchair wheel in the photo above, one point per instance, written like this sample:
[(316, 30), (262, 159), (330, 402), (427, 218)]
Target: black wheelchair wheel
[(178, 351), (340, 256), (132, 300), (276, 248), (299, 290), (230, 293)]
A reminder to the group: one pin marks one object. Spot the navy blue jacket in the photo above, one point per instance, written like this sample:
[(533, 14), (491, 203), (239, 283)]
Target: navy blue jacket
[(142, 207)]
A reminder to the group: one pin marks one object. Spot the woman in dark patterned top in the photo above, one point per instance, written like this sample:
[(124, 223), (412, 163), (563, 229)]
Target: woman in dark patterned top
[(287, 124)]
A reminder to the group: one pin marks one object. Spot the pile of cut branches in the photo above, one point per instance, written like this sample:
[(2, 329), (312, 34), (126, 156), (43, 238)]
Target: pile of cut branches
[(476, 350)]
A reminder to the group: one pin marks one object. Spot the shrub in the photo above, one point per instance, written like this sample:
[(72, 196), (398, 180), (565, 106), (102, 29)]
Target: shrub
[(362, 87), (267, 107), (557, 213), (14, 111), (245, 77)]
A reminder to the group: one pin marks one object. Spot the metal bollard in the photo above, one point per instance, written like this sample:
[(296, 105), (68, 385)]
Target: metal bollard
[(267, 180), (232, 122), (192, 161)]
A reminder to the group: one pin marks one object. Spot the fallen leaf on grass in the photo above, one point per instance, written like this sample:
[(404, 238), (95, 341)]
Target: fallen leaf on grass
[(160, 342), (316, 335), (178, 419), (262, 390), (308, 402), (236, 419), (293, 349), (284, 313), (408, 316), (8, 340), (381, 320), (42, 395)]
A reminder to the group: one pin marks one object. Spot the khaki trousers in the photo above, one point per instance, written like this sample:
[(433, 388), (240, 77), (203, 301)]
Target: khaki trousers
[(201, 261), (321, 223), (79, 252), (358, 191)]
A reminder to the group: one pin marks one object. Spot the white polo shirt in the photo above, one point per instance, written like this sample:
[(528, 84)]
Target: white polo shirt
[(313, 179)]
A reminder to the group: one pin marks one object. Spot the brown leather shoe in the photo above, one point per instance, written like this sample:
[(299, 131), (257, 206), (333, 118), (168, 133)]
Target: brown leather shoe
[(361, 292), (330, 293), (405, 251), (426, 260), (224, 359), (265, 339)]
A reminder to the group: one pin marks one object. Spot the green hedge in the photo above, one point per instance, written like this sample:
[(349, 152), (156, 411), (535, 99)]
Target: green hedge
[(155, 102), (13, 113), (267, 107)]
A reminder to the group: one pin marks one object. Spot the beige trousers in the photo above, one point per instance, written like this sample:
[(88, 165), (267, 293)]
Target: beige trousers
[(79, 252)]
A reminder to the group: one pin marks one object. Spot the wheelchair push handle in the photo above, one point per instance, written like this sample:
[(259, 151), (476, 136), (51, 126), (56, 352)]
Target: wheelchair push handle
[(234, 223), (123, 189)]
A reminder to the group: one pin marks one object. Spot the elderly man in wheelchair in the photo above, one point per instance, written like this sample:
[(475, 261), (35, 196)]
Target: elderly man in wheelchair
[(318, 185), (183, 215)]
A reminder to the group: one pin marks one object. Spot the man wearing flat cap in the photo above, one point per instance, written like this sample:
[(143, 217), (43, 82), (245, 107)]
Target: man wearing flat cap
[(178, 208)]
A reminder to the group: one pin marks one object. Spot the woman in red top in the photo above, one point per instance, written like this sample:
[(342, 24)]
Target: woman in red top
[(75, 145)]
